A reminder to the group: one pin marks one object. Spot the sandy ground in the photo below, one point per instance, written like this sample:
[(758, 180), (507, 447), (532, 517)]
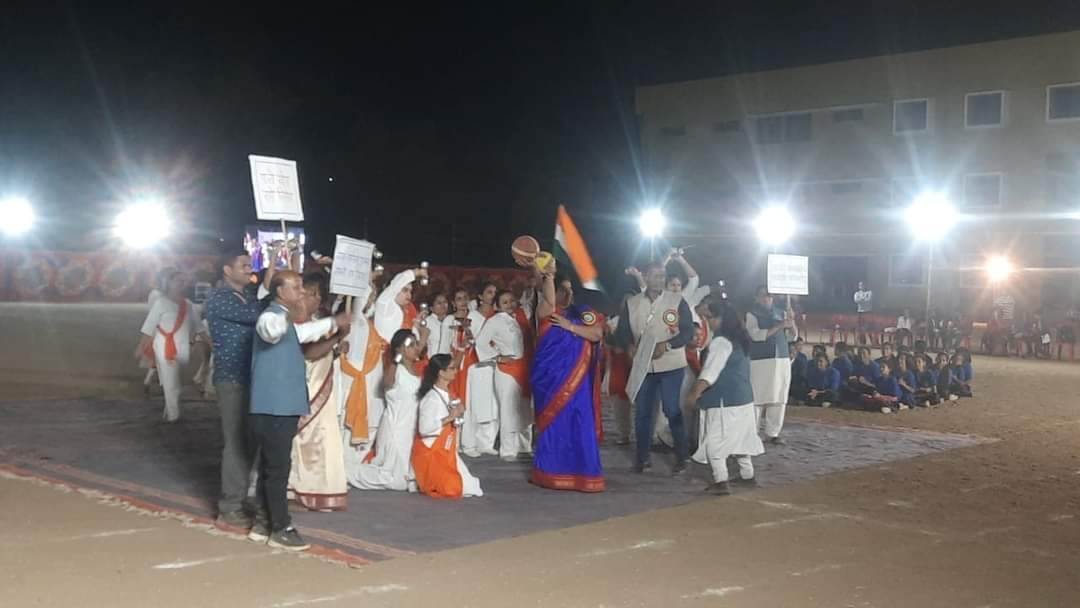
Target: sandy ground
[(990, 525)]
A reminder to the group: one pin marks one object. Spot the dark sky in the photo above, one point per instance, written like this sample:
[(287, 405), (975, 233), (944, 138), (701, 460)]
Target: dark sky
[(468, 118)]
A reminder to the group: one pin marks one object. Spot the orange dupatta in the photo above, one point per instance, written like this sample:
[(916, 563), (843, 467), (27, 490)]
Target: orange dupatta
[(170, 336), (356, 405)]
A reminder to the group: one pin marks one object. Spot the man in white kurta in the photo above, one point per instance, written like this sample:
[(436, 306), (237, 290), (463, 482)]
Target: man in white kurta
[(770, 366)]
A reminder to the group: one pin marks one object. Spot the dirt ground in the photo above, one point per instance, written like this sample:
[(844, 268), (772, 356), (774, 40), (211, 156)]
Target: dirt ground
[(990, 525)]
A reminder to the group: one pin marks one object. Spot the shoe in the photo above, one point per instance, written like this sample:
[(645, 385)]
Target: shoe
[(679, 468), (471, 453), (903, 406), (752, 482), (886, 409), (778, 440), (954, 398), (260, 531), (826, 404), (234, 519), (623, 441), (641, 467), (719, 489), (288, 539)]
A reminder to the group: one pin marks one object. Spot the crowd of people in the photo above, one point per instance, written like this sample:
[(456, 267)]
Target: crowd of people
[(900, 379)]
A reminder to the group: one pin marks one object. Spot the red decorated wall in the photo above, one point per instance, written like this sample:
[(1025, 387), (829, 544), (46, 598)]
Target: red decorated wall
[(65, 276)]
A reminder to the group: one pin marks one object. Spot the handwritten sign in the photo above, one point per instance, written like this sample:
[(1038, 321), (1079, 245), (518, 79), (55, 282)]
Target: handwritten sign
[(351, 273), (788, 274), (277, 189)]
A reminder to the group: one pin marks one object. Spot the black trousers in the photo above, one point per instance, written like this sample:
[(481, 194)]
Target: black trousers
[(822, 397), (273, 437)]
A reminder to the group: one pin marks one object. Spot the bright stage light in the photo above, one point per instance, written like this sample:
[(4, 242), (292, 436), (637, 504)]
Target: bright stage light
[(652, 223), (931, 216), (998, 268), (16, 216), (142, 225), (774, 225)]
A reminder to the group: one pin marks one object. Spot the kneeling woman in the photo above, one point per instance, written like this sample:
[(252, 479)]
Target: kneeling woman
[(723, 391), (386, 466), (439, 470)]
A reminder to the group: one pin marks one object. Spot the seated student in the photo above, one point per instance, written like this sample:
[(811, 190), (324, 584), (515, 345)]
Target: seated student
[(865, 374), (925, 383), (885, 396), (960, 385), (887, 356), (799, 363), (842, 361), (823, 383), (926, 378), (944, 378), (905, 376), (819, 351), (969, 371)]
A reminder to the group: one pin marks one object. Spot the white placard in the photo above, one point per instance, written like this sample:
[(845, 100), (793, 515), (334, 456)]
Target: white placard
[(277, 189), (351, 273), (641, 365), (788, 274)]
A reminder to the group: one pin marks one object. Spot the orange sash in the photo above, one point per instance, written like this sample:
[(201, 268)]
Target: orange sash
[(518, 369), (170, 336), (356, 405), (436, 467)]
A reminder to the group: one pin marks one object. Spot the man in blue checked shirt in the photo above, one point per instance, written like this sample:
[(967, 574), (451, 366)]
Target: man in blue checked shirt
[(231, 312)]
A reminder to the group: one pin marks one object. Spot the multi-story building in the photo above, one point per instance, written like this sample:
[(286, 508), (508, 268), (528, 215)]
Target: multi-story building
[(847, 146)]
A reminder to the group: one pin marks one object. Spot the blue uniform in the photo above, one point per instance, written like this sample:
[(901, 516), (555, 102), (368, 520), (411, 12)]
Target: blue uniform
[(843, 365), (828, 380)]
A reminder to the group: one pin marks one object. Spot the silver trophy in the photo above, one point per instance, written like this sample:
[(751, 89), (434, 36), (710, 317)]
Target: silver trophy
[(423, 314), (454, 403)]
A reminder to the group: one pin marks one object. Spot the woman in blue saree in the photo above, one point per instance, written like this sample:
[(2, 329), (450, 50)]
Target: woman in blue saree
[(565, 379)]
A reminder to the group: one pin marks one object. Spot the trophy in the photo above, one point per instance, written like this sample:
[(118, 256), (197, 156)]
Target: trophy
[(454, 403), (423, 314)]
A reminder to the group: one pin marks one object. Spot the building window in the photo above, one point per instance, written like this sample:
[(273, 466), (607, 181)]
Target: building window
[(1063, 102), (982, 110), (845, 187), (982, 190), (848, 115), (727, 126), (903, 190), (783, 128), (769, 129), (673, 131), (911, 116), (797, 127), (907, 270)]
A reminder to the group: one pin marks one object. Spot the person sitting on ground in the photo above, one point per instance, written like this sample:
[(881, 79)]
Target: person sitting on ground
[(799, 364), (842, 361), (823, 383), (961, 384), (944, 378), (905, 376), (865, 375), (925, 383), (887, 356), (818, 351), (885, 396)]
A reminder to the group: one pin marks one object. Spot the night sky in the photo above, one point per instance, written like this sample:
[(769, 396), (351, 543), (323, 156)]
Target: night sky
[(480, 116)]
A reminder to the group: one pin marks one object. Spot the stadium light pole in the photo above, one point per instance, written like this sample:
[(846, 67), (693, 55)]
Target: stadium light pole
[(930, 217), (652, 224)]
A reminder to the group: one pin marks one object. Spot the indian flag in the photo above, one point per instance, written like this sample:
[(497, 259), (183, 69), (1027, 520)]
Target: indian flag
[(570, 247)]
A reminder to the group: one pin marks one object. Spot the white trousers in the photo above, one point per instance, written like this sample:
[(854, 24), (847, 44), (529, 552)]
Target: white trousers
[(772, 415), (730, 431), (169, 375), (515, 417), (481, 413)]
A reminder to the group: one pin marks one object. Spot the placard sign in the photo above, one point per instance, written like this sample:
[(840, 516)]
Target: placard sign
[(351, 273), (277, 189), (788, 274)]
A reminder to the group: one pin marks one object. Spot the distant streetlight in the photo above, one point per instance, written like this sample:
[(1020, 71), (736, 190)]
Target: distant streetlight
[(142, 225), (774, 225), (652, 224), (930, 217), (998, 268), (16, 216)]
